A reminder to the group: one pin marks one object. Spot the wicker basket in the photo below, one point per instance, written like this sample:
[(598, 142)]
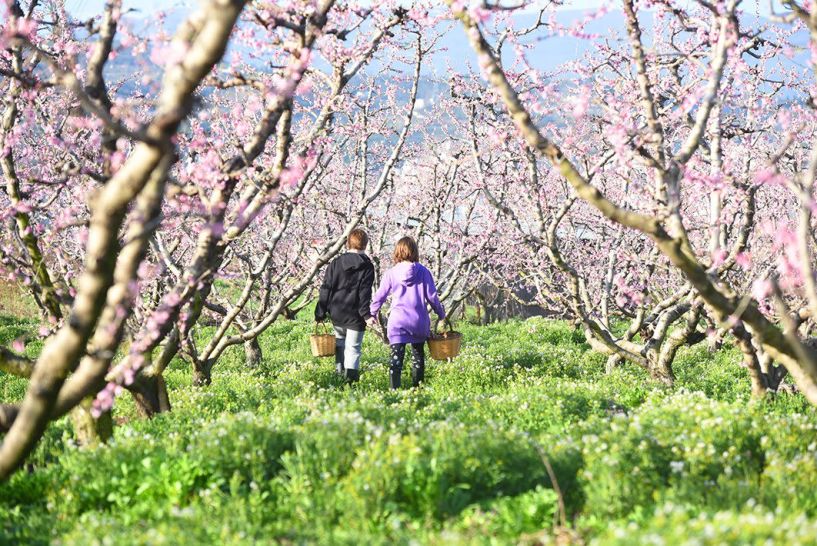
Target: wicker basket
[(446, 345), (323, 344)]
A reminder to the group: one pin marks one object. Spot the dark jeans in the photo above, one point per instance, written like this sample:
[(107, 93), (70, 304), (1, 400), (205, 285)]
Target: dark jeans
[(418, 363)]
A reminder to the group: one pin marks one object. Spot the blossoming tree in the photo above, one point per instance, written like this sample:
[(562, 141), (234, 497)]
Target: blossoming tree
[(669, 132), (154, 185)]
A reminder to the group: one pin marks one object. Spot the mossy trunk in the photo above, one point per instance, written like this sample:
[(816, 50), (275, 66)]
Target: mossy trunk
[(88, 430), (663, 374), (252, 353), (202, 373), (150, 394), (752, 362), (613, 362)]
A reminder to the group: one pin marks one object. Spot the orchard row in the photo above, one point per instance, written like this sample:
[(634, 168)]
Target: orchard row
[(658, 189)]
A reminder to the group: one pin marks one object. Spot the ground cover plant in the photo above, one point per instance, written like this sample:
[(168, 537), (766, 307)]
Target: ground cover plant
[(286, 452), (173, 184)]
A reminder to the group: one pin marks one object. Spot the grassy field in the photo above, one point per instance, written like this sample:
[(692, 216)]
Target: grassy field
[(286, 453), (16, 301)]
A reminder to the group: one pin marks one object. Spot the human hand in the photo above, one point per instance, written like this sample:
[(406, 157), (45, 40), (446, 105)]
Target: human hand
[(372, 322)]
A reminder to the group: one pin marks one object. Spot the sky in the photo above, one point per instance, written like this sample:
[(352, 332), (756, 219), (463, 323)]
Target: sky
[(555, 51), (88, 8)]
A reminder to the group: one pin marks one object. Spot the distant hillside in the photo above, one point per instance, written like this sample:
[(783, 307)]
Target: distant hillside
[(454, 53), (134, 77)]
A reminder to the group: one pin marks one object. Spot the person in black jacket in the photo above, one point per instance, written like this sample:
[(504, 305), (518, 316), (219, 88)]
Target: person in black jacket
[(345, 296)]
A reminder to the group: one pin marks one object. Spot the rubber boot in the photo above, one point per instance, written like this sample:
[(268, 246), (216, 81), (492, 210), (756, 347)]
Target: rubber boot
[(394, 377), (418, 364), (339, 360), (352, 376), (417, 375)]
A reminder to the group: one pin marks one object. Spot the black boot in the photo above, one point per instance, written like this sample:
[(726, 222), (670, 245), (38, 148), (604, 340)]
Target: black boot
[(339, 359), (352, 376), (395, 373), (417, 374), (418, 364), (398, 351)]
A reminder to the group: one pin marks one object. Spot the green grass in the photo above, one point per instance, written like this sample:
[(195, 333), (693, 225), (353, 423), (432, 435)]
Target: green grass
[(16, 301), (287, 453)]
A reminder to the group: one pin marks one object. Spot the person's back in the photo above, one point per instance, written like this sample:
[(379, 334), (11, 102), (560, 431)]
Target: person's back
[(345, 296), (349, 296), (411, 287)]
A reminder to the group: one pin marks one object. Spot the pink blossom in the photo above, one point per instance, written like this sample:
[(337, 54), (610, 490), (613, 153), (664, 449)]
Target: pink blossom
[(768, 175), (718, 257), (580, 102), (169, 54), (457, 6), (761, 289), (744, 260), (419, 15), (479, 14)]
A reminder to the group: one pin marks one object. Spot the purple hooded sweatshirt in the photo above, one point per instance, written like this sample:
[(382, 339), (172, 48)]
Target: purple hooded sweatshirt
[(411, 287)]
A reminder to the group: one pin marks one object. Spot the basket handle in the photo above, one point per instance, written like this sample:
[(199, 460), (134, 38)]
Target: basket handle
[(321, 325), (447, 322)]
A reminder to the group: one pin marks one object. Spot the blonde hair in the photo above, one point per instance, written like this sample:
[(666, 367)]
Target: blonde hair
[(406, 251)]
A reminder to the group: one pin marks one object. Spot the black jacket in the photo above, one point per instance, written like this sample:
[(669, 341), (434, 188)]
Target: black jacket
[(346, 292)]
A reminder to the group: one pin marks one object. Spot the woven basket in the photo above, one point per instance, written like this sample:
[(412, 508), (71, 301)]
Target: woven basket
[(323, 344), (446, 345)]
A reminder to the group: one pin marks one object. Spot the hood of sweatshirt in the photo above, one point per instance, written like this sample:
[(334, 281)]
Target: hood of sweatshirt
[(351, 261), (408, 273)]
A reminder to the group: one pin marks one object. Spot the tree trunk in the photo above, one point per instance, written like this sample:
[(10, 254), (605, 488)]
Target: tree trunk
[(252, 353), (88, 431), (150, 394), (613, 362), (715, 342), (661, 371), (760, 383), (202, 373), (479, 306), (773, 374)]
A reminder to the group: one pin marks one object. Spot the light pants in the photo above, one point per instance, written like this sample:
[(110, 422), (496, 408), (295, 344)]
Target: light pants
[(347, 348)]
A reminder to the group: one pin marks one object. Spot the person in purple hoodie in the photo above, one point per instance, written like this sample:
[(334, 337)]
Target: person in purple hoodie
[(411, 288)]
